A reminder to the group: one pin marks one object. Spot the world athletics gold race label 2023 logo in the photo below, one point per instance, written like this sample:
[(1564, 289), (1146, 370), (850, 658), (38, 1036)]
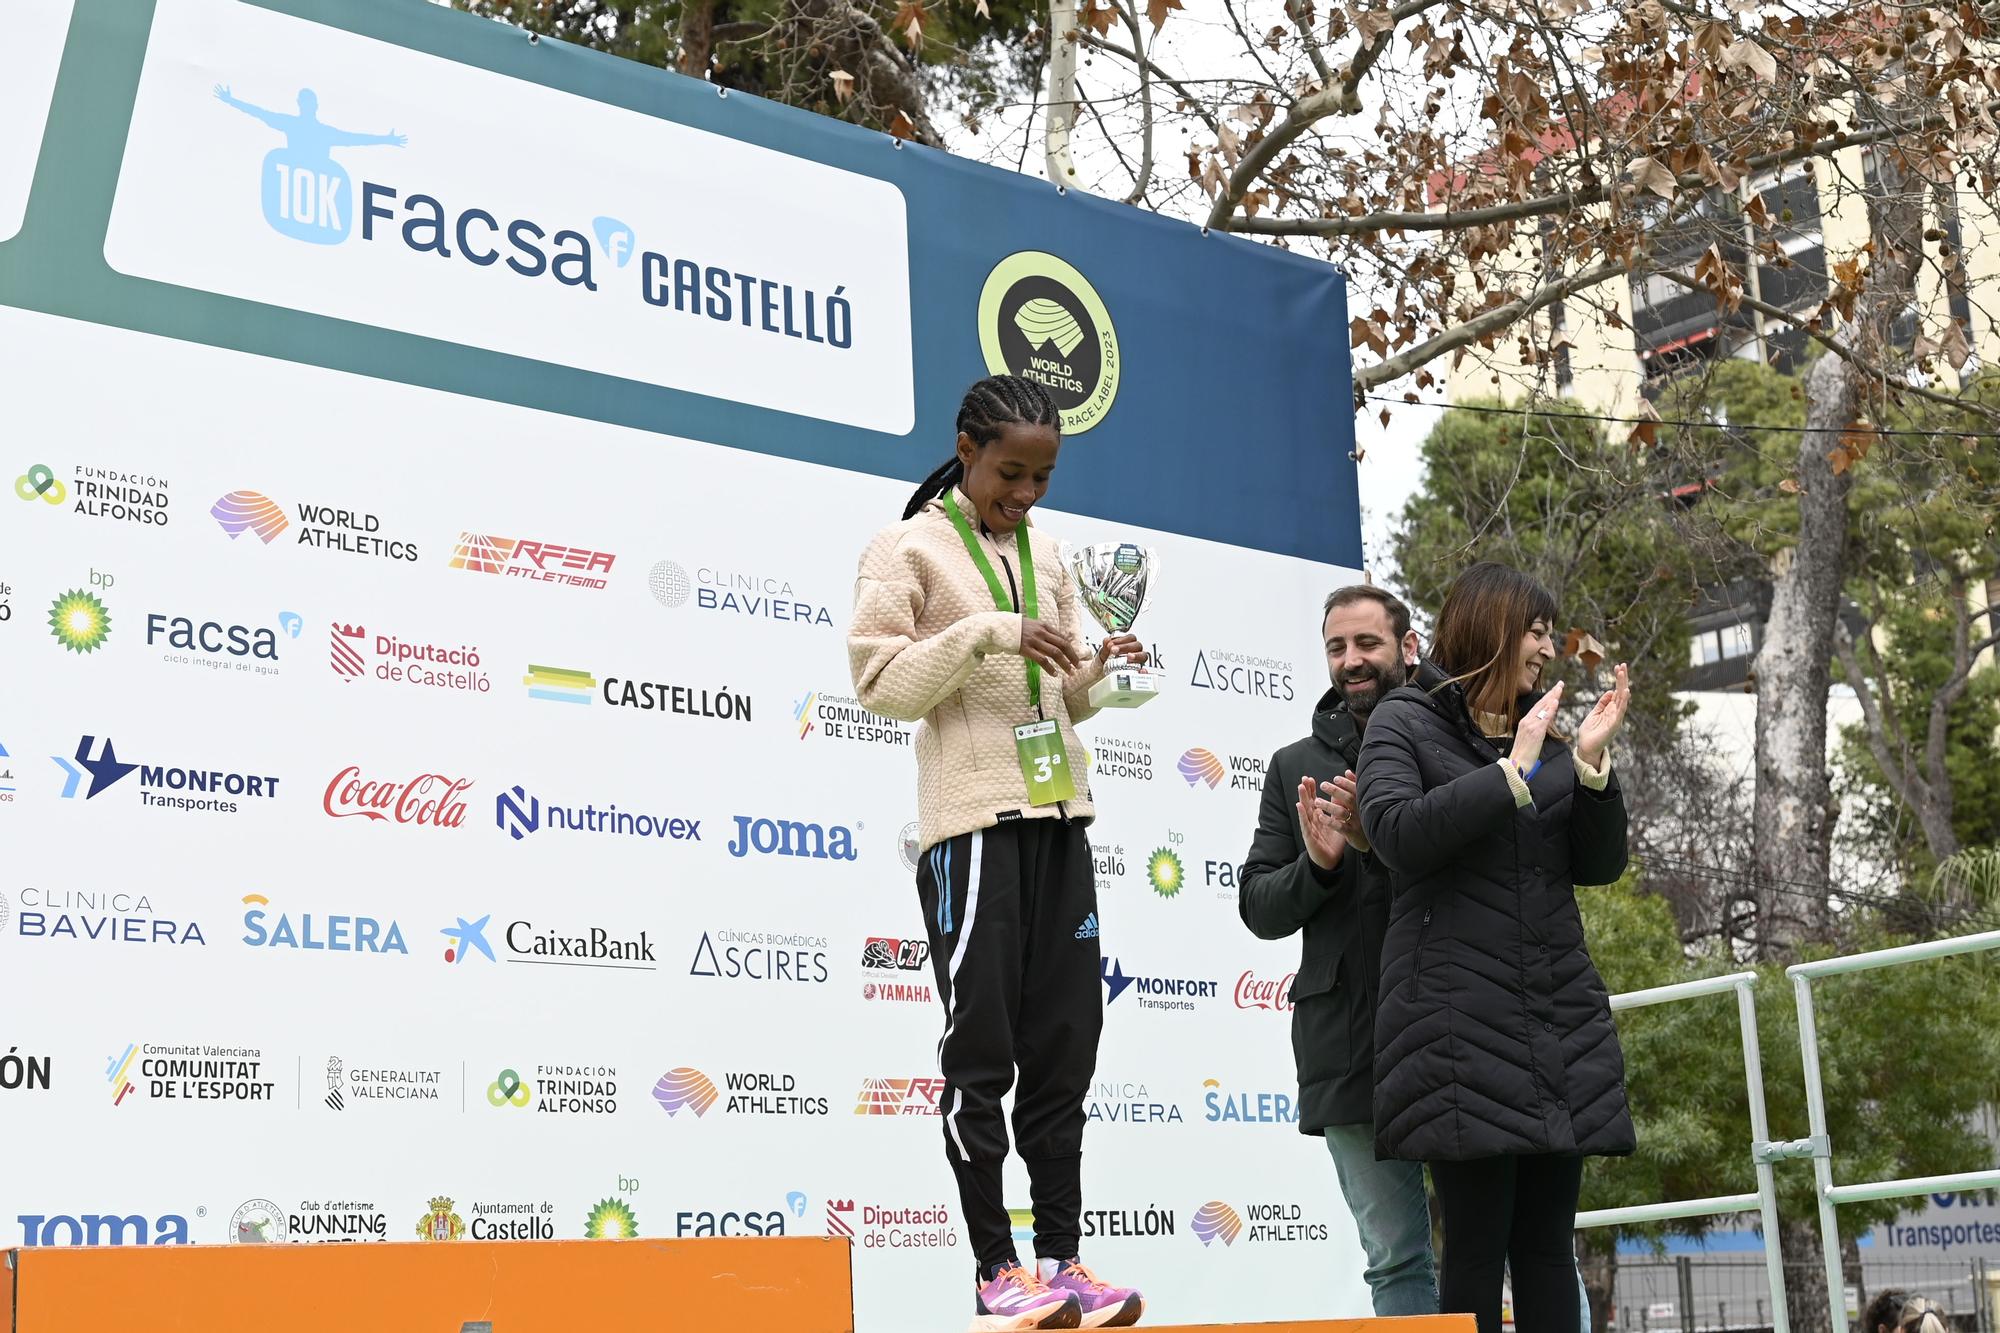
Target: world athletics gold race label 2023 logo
[(1040, 318)]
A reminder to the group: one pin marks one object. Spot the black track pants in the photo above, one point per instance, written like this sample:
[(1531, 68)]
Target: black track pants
[(1012, 916)]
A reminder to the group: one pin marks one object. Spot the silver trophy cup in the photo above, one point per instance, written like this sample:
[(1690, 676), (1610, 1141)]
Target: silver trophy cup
[(1115, 580)]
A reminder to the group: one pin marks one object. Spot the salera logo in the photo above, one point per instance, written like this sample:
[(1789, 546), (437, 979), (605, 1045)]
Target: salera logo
[(1042, 320)]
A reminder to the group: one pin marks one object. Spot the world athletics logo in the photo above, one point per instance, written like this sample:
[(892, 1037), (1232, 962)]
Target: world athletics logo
[(685, 1087), (1199, 765), (1216, 1220)]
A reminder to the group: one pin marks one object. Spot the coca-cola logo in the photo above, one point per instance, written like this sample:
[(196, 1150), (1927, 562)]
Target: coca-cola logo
[(1253, 993), (429, 798)]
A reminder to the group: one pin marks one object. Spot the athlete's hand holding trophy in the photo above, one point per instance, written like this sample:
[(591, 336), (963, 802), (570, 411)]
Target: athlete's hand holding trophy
[(1114, 580)]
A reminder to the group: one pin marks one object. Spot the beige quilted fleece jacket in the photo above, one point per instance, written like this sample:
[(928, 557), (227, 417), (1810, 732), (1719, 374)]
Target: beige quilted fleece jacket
[(928, 646)]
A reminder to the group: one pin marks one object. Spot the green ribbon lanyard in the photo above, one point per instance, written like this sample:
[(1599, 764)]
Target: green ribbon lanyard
[(999, 590)]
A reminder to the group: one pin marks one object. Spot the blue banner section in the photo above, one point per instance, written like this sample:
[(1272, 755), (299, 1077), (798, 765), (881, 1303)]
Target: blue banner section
[(1204, 380)]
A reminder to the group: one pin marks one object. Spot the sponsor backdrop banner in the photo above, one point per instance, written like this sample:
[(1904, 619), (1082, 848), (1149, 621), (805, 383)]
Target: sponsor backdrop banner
[(436, 806)]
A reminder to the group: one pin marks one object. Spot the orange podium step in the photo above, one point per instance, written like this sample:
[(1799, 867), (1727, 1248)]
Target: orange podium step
[(781, 1284)]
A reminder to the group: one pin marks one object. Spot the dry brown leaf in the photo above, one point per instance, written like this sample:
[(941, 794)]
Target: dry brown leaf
[(1747, 57), (1372, 23), (902, 127), (1156, 12), (1652, 177), (1790, 487), (910, 22), (1956, 349), (843, 84), (979, 6)]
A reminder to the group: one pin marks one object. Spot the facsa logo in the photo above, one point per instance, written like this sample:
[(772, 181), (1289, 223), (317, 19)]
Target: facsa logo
[(787, 837), (103, 1229)]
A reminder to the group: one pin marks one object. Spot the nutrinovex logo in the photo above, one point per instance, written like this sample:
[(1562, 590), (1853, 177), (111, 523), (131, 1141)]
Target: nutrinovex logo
[(1041, 319)]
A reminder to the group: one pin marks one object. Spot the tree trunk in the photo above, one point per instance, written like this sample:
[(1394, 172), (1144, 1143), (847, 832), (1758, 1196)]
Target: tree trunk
[(1805, 1279), (1794, 811), (697, 37), (1600, 1283)]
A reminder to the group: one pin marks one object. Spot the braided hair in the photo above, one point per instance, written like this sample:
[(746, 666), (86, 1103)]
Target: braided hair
[(1002, 400)]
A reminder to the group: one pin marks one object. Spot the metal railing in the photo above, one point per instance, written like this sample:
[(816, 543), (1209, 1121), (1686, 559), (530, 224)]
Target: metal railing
[(1819, 1146), (1763, 1153)]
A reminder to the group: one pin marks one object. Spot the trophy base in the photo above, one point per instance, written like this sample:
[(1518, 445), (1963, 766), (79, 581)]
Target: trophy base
[(1125, 687)]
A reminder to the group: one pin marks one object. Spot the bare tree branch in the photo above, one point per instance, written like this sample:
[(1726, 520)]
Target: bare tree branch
[(1488, 322)]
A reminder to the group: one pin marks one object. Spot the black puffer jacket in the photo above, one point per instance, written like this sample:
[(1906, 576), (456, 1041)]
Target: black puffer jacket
[(1343, 912), (1493, 1034)]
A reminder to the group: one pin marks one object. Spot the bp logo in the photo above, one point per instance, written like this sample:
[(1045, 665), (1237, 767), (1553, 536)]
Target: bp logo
[(79, 621), (1042, 320), (1164, 872), (611, 1219)]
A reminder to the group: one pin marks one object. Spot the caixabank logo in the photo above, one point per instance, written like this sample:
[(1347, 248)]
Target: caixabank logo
[(186, 788), (1217, 1224)]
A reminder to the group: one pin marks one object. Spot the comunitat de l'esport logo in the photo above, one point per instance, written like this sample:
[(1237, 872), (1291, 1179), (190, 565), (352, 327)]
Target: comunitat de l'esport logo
[(307, 195), (1040, 318), (95, 769)]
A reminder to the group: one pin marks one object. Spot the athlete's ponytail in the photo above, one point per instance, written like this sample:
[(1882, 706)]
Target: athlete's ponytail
[(989, 405)]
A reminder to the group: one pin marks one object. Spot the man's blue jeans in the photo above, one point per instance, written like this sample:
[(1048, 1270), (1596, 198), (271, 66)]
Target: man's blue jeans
[(1393, 1215)]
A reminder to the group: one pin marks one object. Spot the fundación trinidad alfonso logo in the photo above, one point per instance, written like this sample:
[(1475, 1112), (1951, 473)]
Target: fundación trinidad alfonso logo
[(1165, 873), (1040, 318), (611, 1219), (249, 511), (685, 1088), (1199, 765), (1215, 1221), (40, 482), (79, 621)]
